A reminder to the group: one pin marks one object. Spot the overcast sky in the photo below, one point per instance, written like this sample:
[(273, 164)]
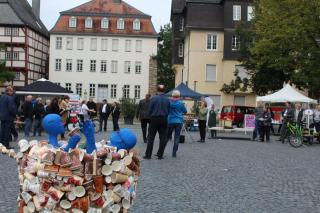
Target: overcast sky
[(158, 9)]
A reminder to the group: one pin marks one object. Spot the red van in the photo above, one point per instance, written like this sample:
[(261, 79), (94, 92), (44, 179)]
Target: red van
[(235, 114)]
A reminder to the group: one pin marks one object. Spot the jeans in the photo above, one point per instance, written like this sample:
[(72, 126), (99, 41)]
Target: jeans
[(5, 132), (257, 129), (202, 129), (177, 131), (160, 125), (115, 121), (265, 133), (37, 126), (144, 127), (103, 121), (27, 126)]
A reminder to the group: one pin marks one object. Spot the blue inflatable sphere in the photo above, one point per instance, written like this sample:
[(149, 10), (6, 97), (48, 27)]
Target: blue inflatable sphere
[(124, 139), (53, 125)]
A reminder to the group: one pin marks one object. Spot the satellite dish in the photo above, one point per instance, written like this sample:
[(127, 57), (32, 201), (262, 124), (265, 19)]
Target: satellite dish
[(308, 112)]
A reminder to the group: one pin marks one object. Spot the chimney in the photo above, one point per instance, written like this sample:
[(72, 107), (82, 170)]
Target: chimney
[(36, 8)]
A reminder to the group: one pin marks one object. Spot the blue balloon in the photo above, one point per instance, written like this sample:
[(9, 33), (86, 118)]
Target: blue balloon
[(124, 139), (53, 125)]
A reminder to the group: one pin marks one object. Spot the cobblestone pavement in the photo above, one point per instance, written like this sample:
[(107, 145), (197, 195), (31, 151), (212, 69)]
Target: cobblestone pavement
[(218, 176)]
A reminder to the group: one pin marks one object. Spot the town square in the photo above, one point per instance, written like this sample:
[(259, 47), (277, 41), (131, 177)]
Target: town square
[(159, 106)]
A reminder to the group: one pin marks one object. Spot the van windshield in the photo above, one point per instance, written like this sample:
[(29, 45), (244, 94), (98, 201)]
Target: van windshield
[(226, 109)]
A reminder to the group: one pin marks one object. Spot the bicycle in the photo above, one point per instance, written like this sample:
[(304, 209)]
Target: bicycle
[(295, 136)]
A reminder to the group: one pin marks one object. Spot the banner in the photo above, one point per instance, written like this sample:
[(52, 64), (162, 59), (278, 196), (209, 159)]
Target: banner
[(249, 121), (74, 104)]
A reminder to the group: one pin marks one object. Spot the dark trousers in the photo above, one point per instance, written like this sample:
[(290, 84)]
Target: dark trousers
[(103, 121), (202, 129), (37, 126), (317, 126), (265, 133), (257, 129), (115, 121), (160, 125), (144, 127), (5, 132), (213, 133), (284, 131), (177, 131), (14, 132)]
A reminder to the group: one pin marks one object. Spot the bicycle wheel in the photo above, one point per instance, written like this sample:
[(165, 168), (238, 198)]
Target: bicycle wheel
[(295, 141)]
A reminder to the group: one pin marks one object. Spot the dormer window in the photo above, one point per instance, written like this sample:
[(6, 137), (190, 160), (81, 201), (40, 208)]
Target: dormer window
[(88, 23), (73, 22), (104, 23), (136, 24), (120, 24)]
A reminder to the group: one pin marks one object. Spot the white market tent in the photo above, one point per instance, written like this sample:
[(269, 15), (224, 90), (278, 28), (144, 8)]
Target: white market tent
[(286, 94)]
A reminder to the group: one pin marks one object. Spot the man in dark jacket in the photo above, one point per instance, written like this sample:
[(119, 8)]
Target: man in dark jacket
[(143, 114), (158, 111), (27, 109), (7, 115), (104, 113), (39, 113), (92, 106)]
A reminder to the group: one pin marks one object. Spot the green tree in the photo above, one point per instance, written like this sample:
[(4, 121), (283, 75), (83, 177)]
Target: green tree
[(279, 45), (5, 75), (164, 57)]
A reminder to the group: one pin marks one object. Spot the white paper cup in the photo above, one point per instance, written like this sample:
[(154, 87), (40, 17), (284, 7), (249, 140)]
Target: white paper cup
[(26, 197), (116, 166), (107, 170), (108, 179), (31, 207), (126, 203), (115, 208), (71, 196), (107, 161), (79, 191), (65, 204)]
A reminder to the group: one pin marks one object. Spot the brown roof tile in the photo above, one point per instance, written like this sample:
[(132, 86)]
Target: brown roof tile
[(98, 9)]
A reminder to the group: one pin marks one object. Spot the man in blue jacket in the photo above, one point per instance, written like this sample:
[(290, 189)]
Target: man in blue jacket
[(158, 112), (8, 111)]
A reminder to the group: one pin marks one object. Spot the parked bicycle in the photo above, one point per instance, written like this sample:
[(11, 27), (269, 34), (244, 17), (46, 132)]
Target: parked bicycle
[(295, 134)]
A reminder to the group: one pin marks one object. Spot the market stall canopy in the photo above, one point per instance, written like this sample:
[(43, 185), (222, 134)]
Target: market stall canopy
[(42, 87), (186, 92), (286, 94)]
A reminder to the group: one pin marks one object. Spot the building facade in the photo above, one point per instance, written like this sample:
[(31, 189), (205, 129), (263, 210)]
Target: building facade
[(102, 50), (26, 41), (206, 47)]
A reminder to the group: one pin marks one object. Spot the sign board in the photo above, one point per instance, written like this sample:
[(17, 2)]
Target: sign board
[(249, 121), (74, 104)]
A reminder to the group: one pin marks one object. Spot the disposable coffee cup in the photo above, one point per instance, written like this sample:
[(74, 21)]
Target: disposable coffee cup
[(107, 170)]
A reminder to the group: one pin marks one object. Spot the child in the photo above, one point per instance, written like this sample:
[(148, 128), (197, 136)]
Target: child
[(212, 122)]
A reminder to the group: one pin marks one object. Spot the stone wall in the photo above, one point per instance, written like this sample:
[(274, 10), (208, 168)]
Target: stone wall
[(153, 75)]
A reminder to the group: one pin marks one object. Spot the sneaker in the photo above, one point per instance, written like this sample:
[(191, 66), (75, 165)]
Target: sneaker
[(160, 158), (146, 157), (174, 155)]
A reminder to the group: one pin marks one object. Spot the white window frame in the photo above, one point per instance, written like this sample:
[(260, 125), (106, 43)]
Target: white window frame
[(92, 90), (137, 92), (235, 43), (206, 73), (80, 43), (250, 14), (79, 89), (113, 91), (128, 45), (7, 31), (79, 65), (68, 65), (93, 65), (88, 23), (120, 24), (72, 22), (115, 45), (15, 56), (15, 31), (136, 25), (93, 44), (69, 43), (181, 50), (104, 44), (114, 66), (138, 67), (213, 39), (127, 67), (58, 64), (68, 86), (126, 91), (236, 12), (103, 66), (104, 23), (139, 46), (58, 43)]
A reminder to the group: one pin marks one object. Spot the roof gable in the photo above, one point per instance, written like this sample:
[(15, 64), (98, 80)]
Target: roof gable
[(8, 16)]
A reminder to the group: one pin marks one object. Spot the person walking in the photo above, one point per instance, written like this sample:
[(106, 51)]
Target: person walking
[(298, 114), (288, 116), (265, 125), (158, 111), (92, 107), (175, 120), (84, 112), (212, 121), (54, 106), (14, 132), (316, 118), (28, 113), (258, 113), (39, 112), (116, 111), (104, 113), (202, 120), (143, 114), (7, 115), (64, 112)]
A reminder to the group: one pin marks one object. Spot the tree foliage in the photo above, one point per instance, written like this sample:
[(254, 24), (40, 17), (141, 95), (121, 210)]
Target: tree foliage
[(279, 45), (166, 74), (5, 75)]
